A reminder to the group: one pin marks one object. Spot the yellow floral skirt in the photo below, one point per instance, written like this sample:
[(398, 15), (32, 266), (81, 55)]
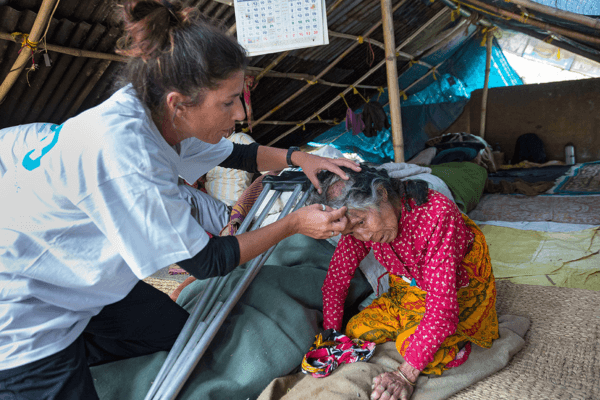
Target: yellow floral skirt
[(396, 314)]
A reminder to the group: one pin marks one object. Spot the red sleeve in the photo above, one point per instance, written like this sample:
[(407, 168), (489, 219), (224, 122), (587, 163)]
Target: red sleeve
[(348, 254), (447, 245)]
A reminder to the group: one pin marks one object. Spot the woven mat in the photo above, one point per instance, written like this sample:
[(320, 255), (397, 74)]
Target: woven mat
[(567, 209), (561, 357), (164, 285), (580, 180)]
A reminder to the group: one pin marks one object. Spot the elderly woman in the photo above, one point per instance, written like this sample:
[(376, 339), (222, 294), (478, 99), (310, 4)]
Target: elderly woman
[(442, 291)]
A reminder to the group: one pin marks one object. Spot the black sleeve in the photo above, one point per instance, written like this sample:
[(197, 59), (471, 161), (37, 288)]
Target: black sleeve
[(242, 157), (219, 257)]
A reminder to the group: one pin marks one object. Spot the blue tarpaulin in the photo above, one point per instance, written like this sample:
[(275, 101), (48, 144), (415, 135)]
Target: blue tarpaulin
[(432, 105)]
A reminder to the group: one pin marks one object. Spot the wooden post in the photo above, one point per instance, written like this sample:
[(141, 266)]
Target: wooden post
[(488, 62), (392, 79), (22, 60)]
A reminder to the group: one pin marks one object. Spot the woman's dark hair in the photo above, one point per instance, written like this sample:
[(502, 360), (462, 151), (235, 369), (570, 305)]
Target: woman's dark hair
[(365, 189), (173, 48)]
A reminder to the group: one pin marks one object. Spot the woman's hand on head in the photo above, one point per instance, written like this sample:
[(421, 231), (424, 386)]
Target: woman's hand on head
[(312, 165), (317, 223)]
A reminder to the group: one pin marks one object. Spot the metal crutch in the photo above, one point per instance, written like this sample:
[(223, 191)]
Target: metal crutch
[(190, 346)]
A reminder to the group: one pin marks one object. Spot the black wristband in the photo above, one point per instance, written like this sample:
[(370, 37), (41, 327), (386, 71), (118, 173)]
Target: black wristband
[(288, 158)]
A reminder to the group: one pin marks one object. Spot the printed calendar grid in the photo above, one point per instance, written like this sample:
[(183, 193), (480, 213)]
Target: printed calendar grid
[(269, 26)]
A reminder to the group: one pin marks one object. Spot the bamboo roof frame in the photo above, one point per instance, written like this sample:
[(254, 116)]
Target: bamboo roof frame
[(569, 16), (71, 51), (327, 69), (316, 79), (528, 19), (30, 42), (359, 80)]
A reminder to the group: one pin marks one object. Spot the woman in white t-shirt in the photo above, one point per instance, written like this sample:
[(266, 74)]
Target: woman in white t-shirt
[(95, 206)]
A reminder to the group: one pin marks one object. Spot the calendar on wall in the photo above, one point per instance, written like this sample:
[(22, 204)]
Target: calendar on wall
[(271, 26)]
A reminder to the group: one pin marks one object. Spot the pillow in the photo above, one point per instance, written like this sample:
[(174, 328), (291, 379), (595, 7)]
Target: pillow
[(228, 184)]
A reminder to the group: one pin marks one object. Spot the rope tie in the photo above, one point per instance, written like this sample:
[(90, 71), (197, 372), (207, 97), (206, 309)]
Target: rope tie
[(301, 125), (25, 42), (319, 117), (403, 94), (245, 130), (455, 13), (524, 17), (433, 72), (355, 91), (411, 62), (311, 82), (360, 39), (549, 41), (381, 90), (343, 98), (486, 32)]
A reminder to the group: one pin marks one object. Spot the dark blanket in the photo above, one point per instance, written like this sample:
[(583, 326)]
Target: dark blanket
[(265, 336), (535, 174)]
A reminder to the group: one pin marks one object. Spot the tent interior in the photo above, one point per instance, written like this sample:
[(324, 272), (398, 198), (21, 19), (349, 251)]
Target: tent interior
[(521, 160)]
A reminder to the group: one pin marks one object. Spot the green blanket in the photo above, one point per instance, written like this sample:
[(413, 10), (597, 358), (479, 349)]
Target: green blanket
[(265, 336), (466, 181)]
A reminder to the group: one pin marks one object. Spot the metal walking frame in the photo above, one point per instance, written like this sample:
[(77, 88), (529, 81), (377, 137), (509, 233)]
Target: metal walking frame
[(208, 314)]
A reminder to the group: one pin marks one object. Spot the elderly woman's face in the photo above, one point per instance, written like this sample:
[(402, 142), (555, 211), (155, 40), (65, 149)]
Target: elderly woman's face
[(374, 224)]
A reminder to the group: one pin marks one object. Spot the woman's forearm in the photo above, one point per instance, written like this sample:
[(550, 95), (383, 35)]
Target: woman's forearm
[(254, 243), (271, 159), (410, 372)]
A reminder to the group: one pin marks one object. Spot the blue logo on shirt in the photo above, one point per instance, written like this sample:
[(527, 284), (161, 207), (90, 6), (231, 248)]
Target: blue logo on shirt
[(32, 163)]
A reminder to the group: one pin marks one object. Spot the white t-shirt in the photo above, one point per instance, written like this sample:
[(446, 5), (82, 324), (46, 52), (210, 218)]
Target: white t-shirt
[(89, 208)]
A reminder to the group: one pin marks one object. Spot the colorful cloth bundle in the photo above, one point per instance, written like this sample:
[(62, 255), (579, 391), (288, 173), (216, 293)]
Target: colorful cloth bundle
[(243, 206), (331, 349)]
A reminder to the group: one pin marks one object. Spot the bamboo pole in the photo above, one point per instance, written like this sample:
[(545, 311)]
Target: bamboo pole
[(302, 77), (74, 52), (312, 121), (352, 37), (270, 66), (327, 69), (537, 24), (379, 44), (41, 20), (484, 97), (392, 79), (232, 30), (566, 15), (358, 81), (465, 13)]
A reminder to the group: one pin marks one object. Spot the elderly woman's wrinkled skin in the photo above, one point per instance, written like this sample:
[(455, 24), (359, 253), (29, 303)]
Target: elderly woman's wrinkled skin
[(381, 225)]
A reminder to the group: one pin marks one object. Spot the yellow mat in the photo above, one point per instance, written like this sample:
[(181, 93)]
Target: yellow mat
[(567, 259)]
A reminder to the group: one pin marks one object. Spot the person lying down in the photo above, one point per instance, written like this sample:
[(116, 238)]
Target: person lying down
[(442, 294)]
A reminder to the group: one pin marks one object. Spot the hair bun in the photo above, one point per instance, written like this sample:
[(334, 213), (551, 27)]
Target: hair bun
[(149, 26)]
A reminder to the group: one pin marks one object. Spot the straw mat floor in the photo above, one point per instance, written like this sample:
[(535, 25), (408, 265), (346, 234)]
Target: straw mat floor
[(567, 209), (561, 356), (164, 285)]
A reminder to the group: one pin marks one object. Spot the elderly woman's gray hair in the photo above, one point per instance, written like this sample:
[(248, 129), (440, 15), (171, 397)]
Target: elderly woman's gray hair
[(366, 189)]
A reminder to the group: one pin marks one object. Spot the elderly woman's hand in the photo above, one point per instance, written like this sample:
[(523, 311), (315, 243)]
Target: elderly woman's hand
[(319, 222), (312, 165), (390, 386), (395, 385)]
